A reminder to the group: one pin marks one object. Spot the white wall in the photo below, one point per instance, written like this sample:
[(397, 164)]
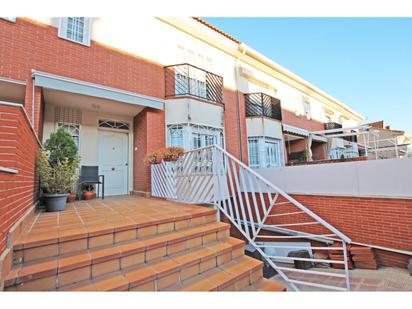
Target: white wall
[(259, 126), (376, 178), (187, 110)]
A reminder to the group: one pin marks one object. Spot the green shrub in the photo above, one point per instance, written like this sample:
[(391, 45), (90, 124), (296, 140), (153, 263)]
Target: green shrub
[(58, 178), (58, 163), (60, 146)]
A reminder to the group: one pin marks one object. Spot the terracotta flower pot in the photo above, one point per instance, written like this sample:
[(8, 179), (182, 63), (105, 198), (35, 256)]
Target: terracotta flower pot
[(71, 198), (88, 195), (158, 160)]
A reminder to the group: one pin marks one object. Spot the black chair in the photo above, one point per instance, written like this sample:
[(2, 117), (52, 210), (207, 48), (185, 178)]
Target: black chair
[(89, 175)]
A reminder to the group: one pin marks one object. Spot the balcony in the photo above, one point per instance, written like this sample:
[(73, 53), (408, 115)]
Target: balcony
[(262, 105), (332, 126), (188, 80)]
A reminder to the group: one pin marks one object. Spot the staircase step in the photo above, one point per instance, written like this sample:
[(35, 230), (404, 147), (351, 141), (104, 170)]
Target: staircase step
[(235, 275), (101, 261), (95, 263), (70, 239), (266, 285), (161, 273)]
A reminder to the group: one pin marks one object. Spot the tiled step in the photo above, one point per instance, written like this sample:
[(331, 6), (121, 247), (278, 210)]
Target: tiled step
[(180, 271), (52, 273), (265, 285), (235, 275), (69, 239)]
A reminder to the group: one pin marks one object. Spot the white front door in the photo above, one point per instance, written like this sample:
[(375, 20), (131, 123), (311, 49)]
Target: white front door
[(114, 161)]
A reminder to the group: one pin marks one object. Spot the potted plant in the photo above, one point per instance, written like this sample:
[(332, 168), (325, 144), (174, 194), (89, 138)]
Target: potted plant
[(150, 158), (88, 192), (156, 157), (173, 153), (73, 195), (57, 169)]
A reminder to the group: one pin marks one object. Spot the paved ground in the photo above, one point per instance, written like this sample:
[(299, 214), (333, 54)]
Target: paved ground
[(383, 279)]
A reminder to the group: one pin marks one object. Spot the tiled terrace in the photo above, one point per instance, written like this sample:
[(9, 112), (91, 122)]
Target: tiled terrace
[(83, 217)]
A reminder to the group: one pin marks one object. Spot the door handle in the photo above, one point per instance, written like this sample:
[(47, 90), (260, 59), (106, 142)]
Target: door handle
[(112, 168)]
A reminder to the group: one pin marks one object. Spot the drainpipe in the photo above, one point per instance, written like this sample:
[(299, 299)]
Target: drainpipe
[(32, 101), (238, 100)]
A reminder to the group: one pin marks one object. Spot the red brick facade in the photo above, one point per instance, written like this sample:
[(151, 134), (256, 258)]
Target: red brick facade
[(375, 221), (27, 45), (290, 118), (149, 135), (233, 145), (18, 151)]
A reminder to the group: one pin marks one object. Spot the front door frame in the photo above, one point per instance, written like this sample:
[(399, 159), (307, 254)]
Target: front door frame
[(128, 169)]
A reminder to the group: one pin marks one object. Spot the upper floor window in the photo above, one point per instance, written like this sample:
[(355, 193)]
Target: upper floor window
[(76, 29), (306, 107)]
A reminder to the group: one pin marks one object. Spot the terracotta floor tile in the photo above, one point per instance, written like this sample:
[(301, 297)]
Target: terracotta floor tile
[(11, 277), (166, 267), (102, 255), (187, 258), (199, 286), (73, 234), (73, 262), (140, 275), (38, 270), (134, 247), (39, 239), (100, 229)]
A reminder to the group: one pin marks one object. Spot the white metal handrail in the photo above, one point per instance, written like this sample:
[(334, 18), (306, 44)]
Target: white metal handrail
[(254, 206)]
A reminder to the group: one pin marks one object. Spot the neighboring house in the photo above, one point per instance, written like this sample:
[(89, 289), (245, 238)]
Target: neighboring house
[(125, 87), (385, 143)]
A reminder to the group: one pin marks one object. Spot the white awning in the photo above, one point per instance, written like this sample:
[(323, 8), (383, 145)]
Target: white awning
[(295, 130), (319, 138), (66, 84)]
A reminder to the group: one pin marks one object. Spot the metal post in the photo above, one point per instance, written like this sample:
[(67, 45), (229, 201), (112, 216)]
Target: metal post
[(345, 257), (396, 148)]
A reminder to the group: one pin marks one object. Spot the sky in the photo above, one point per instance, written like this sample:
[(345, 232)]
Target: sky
[(364, 62)]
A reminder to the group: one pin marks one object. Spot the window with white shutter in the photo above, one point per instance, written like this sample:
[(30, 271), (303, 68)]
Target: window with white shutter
[(306, 107), (76, 29)]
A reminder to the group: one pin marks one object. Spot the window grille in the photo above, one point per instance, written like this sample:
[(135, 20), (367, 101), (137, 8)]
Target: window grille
[(69, 119), (253, 144), (192, 136), (76, 29), (114, 124), (265, 152)]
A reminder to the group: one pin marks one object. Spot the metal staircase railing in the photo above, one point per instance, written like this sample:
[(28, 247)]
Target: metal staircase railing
[(265, 215)]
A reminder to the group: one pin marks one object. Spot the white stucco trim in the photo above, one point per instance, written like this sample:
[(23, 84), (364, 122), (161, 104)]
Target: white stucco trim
[(67, 84)]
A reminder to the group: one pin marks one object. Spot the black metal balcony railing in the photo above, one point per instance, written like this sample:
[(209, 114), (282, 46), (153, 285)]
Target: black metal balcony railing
[(331, 126), (188, 80), (260, 104)]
